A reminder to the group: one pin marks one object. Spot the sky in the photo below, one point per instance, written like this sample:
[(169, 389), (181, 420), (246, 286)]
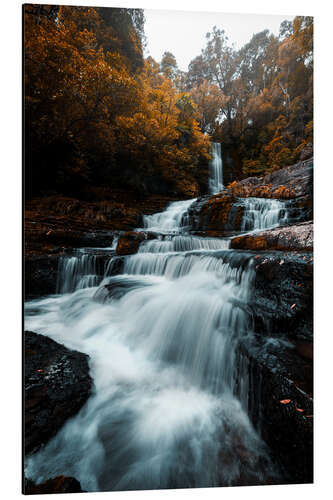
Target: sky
[(183, 33)]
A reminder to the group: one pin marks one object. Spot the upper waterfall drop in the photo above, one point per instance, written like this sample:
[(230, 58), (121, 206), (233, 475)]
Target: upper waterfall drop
[(215, 180)]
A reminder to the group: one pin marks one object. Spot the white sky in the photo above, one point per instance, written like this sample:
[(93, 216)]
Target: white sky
[(183, 33)]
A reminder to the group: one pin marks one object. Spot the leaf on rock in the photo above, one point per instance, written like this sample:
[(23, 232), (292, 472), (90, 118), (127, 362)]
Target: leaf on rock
[(285, 401)]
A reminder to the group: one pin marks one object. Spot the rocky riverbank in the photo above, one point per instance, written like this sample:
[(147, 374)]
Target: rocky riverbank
[(56, 385), (55, 222)]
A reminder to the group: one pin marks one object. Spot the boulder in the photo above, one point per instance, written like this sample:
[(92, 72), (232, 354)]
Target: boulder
[(216, 213), (129, 242), (295, 237), (56, 385), (280, 405), (59, 484), (281, 300)]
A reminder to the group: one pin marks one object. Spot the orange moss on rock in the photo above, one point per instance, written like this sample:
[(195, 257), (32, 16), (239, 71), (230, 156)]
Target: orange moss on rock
[(250, 243), (214, 213), (129, 242)]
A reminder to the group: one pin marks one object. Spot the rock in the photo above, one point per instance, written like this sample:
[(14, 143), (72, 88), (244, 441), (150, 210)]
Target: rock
[(281, 407), (296, 237), (118, 287), (307, 152), (59, 484), (56, 385), (216, 213), (282, 296), (287, 183), (129, 242), (40, 275)]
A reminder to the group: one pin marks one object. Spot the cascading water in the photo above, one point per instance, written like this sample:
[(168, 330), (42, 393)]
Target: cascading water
[(169, 221), (263, 213), (162, 338), (215, 181)]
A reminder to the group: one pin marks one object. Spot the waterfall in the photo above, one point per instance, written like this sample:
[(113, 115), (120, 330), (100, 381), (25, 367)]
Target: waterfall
[(215, 181), (263, 213), (171, 220), (162, 335), (76, 272)]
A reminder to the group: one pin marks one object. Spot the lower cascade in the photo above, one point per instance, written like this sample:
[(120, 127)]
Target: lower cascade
[(169, 408)]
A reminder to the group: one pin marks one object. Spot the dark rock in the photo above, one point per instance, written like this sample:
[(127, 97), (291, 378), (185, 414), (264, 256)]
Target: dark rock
[(215, 213), (129, 242), (296, 237), (117, 288), (281, 408), (56, 385), (97, 239), (40, 275), (59, 484), (282, 297)]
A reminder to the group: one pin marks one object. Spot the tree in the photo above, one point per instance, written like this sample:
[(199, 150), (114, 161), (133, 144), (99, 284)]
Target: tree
[(168, 65)]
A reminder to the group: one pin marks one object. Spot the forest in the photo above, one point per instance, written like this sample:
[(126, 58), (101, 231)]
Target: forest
[(99, 115)]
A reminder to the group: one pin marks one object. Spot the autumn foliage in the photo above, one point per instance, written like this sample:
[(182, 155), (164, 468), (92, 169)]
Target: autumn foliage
[(97, 113), (262, 96)]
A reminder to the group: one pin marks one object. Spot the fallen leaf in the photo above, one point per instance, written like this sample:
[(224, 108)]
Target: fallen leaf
[(40, 371), (299, 409), (49, 232), (309, 416), (292, 307), (285, 401)]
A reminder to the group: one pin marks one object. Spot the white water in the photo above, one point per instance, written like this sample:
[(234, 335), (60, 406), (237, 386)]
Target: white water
[(263, 213), (169, 221), (167, 410), (215, 181)]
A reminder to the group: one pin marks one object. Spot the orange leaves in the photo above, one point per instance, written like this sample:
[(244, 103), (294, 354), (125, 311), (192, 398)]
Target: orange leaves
[(292, 306), (288, 401)]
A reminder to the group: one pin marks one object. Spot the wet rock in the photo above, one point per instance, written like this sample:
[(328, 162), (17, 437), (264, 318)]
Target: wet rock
[(282, 296), (216, 213), (59, 484), (40, 275), (296, 237), (117, 288), (56, 385), (280, 406), (129, 242)]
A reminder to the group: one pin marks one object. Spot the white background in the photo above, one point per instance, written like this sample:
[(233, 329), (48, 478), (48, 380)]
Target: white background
[(10, 233)]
